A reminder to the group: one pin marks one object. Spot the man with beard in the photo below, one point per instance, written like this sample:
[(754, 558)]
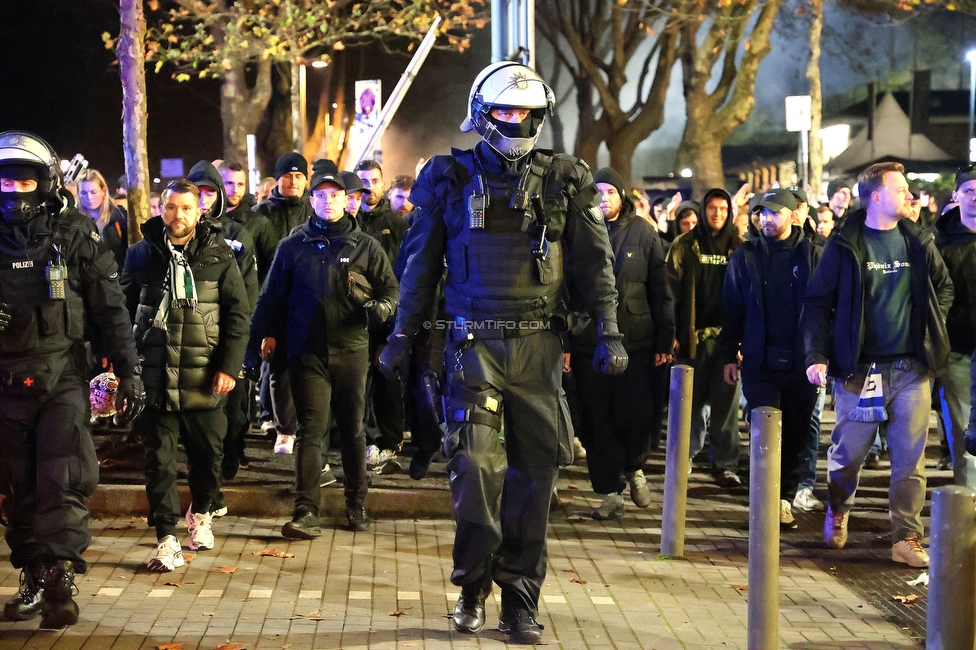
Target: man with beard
[(58, 287), (190, 313), (697, 262), (762, 297), (239, 207)]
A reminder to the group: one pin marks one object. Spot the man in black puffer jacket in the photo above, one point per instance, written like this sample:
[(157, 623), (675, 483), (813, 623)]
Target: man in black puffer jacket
[(324, 280), (189, 306), (618, 417)]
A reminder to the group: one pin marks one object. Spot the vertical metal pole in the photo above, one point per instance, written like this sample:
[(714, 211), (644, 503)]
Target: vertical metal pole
[(527, 37), (952, 569), (254, 175), (804, 175), (677, 462), (764, 471), (303, 103), (972, 94), (499, 28)]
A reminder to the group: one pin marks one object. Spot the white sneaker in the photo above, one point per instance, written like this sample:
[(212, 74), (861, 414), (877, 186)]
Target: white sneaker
[(284, 444), (201, 531), (611, 508), (805, 501), (387, 463), (372, 455), (169, 555), (267, 427), (640, 494), (909, 551), (786, 519), (579, 451)]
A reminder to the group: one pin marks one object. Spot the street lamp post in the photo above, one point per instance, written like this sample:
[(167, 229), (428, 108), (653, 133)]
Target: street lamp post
[(971, 57)]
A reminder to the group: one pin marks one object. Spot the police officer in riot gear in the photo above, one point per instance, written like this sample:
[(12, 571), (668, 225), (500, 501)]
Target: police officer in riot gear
[(506, 216), (58, 287)]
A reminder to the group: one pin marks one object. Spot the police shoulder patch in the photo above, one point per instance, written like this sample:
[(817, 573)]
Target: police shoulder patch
[(95, 236), (595, 213)]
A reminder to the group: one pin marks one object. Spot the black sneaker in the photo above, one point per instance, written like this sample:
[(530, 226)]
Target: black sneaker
[(873, 461), (27, 603), (522, 627), (419, 464), (304, 525), (326, 477), (945, 463), (358, 519)]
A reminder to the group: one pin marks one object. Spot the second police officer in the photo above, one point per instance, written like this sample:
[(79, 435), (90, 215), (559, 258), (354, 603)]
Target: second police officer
[(506, 216)]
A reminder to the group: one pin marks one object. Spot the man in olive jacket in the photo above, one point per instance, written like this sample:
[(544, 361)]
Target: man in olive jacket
[(190, 309)]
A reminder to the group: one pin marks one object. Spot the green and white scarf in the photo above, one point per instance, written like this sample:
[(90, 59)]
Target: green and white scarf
[(179, 289)]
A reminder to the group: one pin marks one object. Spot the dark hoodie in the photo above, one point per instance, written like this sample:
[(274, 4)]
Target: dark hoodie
[(385, 225), (204, 174), (957, 243), (285, 212), (697, 262)]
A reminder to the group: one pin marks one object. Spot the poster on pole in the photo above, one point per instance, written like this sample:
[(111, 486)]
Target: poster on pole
[(368, 107), (798, 113)]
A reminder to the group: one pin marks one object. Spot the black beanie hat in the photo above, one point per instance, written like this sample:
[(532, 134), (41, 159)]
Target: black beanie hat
[(611, 177), (291, 162), (835, 185)]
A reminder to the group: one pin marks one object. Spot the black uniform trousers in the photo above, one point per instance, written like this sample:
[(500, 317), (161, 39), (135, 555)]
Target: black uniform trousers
[(238, 424), (617, 415), (795, 396), (48, 469), (506, 541), (202, 433), (324, 386)]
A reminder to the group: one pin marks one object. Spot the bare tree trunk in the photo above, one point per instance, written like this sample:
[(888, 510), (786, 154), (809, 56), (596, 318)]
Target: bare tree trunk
[(816, 98), (131, 51), (241, 108)]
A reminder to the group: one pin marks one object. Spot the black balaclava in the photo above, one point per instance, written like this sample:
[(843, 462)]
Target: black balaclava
[(21, 207), (524, 129)]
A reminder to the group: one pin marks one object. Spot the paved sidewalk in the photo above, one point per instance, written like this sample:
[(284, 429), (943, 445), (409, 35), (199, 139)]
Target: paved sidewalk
[(389, 588)]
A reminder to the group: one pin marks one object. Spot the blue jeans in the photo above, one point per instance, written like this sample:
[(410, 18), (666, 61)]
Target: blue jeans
[(722, 423), (908, 400), (956, 408)]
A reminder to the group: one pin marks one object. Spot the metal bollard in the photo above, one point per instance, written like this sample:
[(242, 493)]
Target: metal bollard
[(952, 570), (766, 442), (677, 462)]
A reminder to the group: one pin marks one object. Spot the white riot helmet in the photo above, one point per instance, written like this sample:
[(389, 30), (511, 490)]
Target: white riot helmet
[(20, 153), (507, 84)]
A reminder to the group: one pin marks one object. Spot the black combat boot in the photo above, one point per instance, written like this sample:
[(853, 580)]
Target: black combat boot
[(27, 603), (58, 608), (469, 612)]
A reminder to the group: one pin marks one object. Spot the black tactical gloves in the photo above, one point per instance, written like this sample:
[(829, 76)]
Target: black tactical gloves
[(610, 357), (395, 357), (129, 400), (380, 309)]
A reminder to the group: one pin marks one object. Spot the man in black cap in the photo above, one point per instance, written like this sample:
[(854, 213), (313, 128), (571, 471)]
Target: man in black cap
[(354, 192), (697, 262), (327, 278), (772, 270), (839, 199), (620, 415), (59, 285)]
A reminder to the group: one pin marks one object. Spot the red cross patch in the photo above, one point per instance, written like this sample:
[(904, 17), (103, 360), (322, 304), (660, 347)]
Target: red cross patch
[(28, 382)]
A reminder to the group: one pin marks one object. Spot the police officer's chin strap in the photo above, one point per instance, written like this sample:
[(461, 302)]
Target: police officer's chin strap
[(610, 357)]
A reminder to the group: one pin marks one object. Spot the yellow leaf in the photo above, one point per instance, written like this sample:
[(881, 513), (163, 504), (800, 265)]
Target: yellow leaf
[(170, 646), (226, 64), (159, 66), (222, 568), (153, 5), (338, 45), (181, 78)]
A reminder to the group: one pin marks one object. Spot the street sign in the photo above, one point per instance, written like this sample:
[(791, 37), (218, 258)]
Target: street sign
[(798, 113), (368, 108), (171, 167)]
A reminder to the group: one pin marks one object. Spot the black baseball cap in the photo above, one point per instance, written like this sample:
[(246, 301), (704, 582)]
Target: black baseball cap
[(777, 199)]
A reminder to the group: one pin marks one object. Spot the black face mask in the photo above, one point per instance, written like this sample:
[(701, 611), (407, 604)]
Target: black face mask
[(19, 207), (521, 130)]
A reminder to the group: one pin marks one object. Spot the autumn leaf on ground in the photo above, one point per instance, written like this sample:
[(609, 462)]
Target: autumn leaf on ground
[(578, 581), (286, 646), (272, 552), (314, 616), (398, 613), (209, 613), (571, 571), (740, 587), (232, 646), (572, 486), (224, 569), (170, 646), (189, 557), (907, 600), (121, 527), (173, 584)]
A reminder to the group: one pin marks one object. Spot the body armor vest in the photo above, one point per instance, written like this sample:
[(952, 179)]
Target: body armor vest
[(47, 311), (492, 271)]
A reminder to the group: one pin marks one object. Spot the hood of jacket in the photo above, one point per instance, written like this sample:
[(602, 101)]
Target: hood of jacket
[(727, 236), (204, 173), (951, 228), (154, 232)]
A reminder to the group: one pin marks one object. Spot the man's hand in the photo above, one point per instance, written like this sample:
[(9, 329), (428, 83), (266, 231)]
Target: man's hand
[(380, 309), (566, 366), (268, 348), (5, 316), (817, 374), (130, 399), (730, 372), (224, 383), (394, 361), (661, 359)]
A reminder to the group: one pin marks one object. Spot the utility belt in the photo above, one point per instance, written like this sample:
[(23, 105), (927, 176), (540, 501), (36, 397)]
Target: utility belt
[(463, 405), (33, 375), (495, 328)]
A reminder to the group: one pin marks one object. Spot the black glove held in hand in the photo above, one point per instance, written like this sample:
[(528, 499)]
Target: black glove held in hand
[(5, 310), (380, 309), (129, 400), (610, 357), (395, 357)]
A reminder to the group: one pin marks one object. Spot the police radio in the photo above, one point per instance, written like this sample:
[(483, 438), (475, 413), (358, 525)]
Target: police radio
[(56, 273)]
